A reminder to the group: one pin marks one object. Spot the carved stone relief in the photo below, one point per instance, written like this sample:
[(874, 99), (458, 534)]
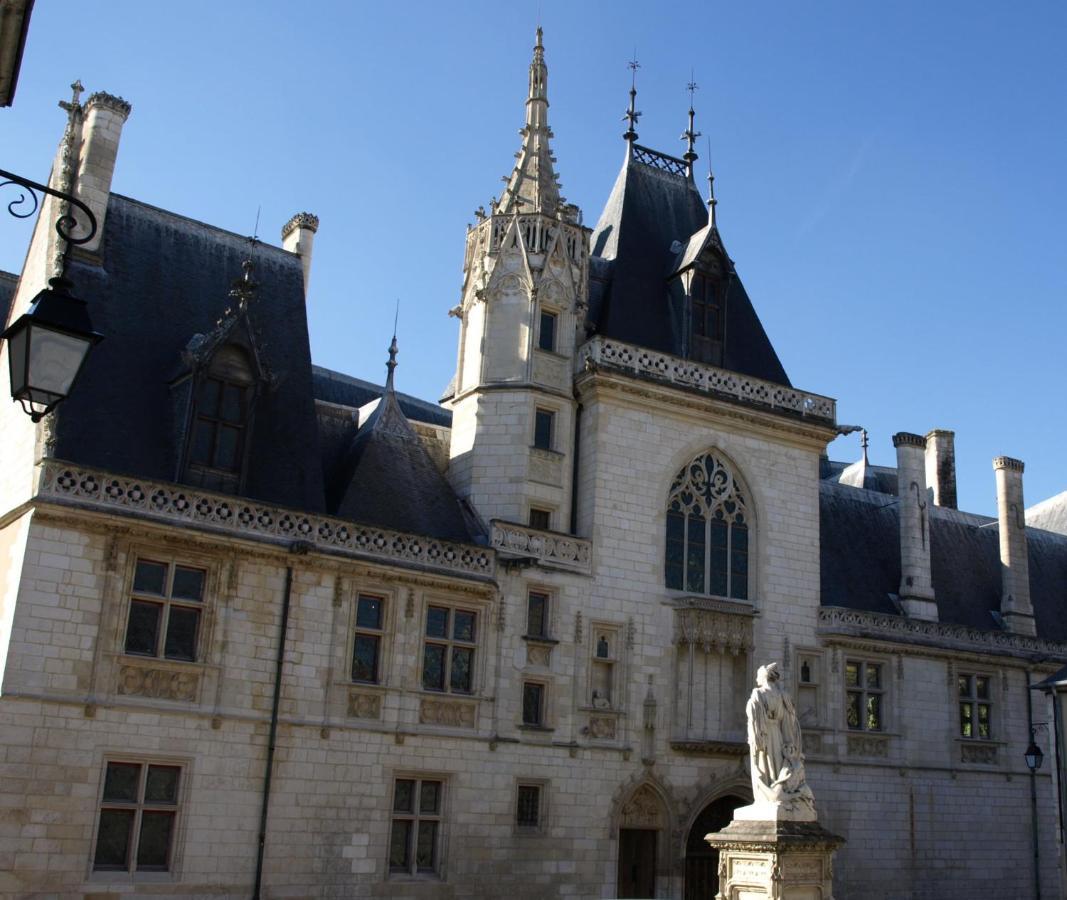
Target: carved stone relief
[(979, 754), (644, 810), (166, 684), (452, 713), (602, 728), (867, 745), (364, 705), (538, 654)]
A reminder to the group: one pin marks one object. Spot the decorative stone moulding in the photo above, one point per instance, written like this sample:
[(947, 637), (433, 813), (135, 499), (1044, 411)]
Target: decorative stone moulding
[(556, 550), (880, 626), (979, 754), (713, 631), (170, 503), (876, 746), (601, 352), (109, 101), (301, 220), (711, 748)]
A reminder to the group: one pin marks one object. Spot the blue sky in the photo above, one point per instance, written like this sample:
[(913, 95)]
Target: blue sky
[(891, 176)]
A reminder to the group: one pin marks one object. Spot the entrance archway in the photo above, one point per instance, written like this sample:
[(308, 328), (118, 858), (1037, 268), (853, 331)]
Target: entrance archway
[(701, 862), (643, 830)]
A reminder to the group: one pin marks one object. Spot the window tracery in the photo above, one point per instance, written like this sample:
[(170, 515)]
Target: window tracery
[(707, 530)]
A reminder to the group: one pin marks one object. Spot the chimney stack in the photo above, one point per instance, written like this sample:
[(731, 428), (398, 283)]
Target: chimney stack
[(916, 583), (1015, 606), (105, 115), (941, 466), (298, 236)]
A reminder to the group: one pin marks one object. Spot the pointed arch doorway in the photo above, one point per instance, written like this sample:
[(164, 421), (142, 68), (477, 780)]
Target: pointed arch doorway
[(644, 824), (701, 861)]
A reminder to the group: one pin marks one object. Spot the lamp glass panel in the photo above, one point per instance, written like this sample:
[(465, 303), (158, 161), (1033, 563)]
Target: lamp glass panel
[(16, 354), (55, 359)]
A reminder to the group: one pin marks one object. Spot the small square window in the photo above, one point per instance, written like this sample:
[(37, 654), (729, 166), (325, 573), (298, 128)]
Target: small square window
[(546, 337), (528, 807), (540, 519), (533, 704), (544, 421)]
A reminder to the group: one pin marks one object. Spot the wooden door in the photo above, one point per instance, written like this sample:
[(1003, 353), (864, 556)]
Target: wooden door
[(637, 862)]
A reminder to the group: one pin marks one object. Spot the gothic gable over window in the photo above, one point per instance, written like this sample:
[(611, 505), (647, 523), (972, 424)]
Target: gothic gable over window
[(708, 521)]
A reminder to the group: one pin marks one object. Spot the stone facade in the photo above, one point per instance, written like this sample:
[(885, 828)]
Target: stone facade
[(605, 711)]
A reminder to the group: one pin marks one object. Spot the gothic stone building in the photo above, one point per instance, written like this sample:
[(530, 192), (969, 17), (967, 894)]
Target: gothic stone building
[(274, 629)]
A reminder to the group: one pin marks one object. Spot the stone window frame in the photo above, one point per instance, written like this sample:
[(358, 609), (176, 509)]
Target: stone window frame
[(384, 634), (481, 645), (547, 511), (539, 410), (545, 722), (883, 691), (132, 875), (557, 318), (551, 602), (191, 558), (817, 683), (972, 673), (744, 506), (541, 785), (441, 817)]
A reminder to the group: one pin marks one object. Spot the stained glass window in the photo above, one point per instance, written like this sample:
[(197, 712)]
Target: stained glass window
[(707, 539)]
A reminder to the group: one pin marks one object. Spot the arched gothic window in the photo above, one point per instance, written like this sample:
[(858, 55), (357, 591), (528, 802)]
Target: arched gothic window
[(707, 531), (220, 420)]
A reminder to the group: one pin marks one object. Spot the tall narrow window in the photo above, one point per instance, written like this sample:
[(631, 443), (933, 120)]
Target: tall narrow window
[(166, 605), (220, 420), (707, 531), (705, 309), (544, 421), (975, 707), (138, 811), (537, 614), (546, 335), (533, 703), (414, 844), (864, 690), (367, 649), (448, 652)]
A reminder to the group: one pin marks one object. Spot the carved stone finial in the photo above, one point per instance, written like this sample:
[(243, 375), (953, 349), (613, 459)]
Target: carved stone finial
[(391, 365), (301, 220)]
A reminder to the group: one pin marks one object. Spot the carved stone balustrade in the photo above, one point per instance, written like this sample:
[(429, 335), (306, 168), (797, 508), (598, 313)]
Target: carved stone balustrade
[(547, 548), (241, 518), (601, 352), (713, 630)]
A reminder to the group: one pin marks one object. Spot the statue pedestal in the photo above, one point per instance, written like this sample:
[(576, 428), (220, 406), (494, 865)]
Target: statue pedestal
[(775, 860)]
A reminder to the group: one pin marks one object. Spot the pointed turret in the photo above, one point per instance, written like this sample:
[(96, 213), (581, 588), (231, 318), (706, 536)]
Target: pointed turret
[(522, 309), (532, 187)]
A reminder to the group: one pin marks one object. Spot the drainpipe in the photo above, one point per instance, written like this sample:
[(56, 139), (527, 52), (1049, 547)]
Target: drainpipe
[(272, 739), (1033, 796)]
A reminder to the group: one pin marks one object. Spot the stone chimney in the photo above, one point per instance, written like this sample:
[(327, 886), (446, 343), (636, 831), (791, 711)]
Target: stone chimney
[(916, 583), (941, 466), (104, 117), (1015, 606), (298, 236)]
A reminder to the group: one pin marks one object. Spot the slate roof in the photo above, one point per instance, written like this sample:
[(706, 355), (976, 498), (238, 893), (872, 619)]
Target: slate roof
[(1050, 514), (344, 390), (164, 279), (8, 283), (859, 533), (641, 238), (391, 481)]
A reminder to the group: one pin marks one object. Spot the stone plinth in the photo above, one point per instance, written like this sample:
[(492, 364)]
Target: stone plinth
[(784, 860)]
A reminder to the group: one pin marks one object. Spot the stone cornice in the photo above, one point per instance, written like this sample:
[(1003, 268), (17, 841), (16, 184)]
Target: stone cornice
[(838, 621), (239, 517)]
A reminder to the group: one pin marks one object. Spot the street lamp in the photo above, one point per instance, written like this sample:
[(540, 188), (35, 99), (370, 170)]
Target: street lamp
[(1033, 755), (48, 345)]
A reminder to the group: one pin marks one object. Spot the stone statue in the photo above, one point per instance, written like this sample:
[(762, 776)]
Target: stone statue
[(779, 788)]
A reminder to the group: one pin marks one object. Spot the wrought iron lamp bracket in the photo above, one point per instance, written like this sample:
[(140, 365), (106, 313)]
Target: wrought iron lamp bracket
[(65, 224)]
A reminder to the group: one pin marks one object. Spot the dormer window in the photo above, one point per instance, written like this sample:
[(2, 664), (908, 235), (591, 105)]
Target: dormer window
[(705, 319), (220, 420)]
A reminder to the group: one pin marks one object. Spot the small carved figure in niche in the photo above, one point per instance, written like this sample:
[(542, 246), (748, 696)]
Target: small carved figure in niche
[(805, 672), (602, 649), (600, 701), (775, 743)]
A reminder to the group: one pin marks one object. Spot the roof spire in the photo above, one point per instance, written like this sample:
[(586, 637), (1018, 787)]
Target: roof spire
[(632, 115), (532, 183), (690, 135), (392, 364), (712, 202)]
